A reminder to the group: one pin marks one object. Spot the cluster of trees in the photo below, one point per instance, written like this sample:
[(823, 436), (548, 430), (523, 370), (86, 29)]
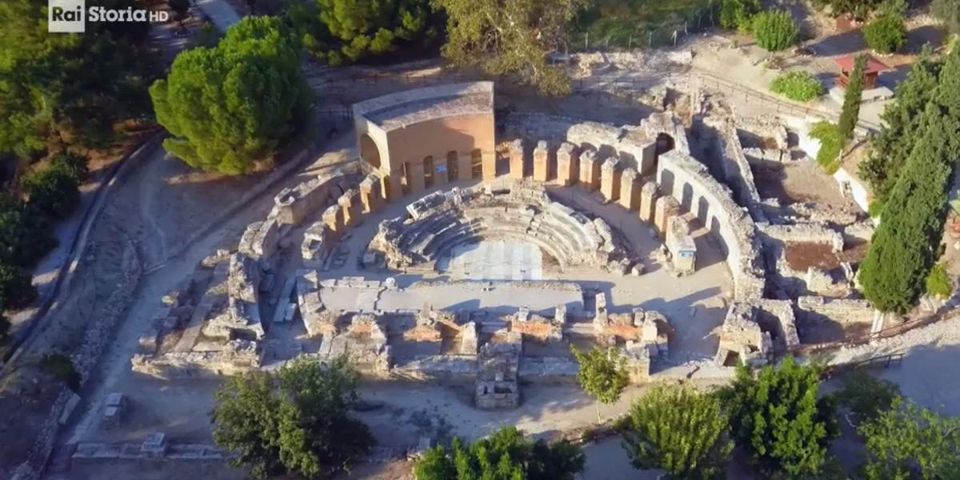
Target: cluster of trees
[(907, 242), (948, 11), (58, 94), (294, 421), (347, 31), (297, 421)]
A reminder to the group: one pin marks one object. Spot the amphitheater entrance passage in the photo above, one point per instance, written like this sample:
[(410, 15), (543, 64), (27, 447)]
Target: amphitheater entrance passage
[(369, 151), (501, 259)]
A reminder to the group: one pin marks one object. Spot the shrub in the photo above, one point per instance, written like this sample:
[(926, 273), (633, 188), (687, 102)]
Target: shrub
[(504, 454), (799, 86), (830, 145), (16, 290), (774, 30), (886, 34), (4, 329), (54, 190), (61, 367), (738, 14), (938, 282)]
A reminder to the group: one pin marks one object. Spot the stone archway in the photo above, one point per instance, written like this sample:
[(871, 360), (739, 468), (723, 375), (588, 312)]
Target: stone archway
[(369, 151)]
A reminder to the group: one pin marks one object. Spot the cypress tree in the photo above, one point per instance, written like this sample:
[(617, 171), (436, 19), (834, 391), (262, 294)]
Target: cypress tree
[(851, 99), (901, 120), (906, 244)]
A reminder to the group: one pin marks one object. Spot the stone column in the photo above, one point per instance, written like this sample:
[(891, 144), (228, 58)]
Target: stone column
[(465, 166), (415, 176), (666, 208), (541, 162), (370, 193), (590, 170), (516, 159), (648, 195), (489, 165), (610, 179), (568, 164), (629, 189), (333, 219)]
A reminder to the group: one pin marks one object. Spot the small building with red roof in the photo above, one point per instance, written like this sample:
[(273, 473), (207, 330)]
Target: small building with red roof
[(870, 73)]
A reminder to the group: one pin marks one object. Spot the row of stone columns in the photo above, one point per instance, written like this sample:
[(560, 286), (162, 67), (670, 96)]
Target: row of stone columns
[(571, 165)]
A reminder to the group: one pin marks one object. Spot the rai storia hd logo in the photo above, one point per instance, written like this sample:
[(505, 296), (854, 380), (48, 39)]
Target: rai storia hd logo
[(71, 16)]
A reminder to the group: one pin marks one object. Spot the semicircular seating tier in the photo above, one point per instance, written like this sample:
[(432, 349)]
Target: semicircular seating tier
[(440, 222)]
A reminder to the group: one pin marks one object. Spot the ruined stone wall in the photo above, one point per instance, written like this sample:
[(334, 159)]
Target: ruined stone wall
[(802, 233), (841, 310), (691, 184), (736, 168)]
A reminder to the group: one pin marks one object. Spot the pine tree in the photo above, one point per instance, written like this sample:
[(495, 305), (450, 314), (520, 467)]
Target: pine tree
[(905, 246), (851, 99), (891, 148)]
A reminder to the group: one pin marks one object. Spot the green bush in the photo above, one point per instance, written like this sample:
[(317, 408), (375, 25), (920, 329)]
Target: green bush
[(61, 367), (799, 86), (938, 282), (831, 143), (886, 34), (738, 14), (774, 30), (54, 190), (16, 290)]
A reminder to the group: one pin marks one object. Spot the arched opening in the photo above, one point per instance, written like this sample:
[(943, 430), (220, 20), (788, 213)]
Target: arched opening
[(428, 171), (369, 151), (453, 167), (665, 143), (666, 182), (686, 198)]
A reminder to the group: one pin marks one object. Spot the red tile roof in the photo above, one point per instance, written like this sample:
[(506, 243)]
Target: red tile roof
[(873, 65)]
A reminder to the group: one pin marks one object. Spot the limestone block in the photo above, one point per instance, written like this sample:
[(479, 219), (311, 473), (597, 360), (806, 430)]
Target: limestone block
[(630, 189), (568, 164), (648, 198), (590, 170), (610, 179), (516, 159), (665, 209), (541, 162)]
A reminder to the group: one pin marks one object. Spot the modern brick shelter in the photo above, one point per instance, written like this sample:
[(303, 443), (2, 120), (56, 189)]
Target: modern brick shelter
[(428, 136)]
